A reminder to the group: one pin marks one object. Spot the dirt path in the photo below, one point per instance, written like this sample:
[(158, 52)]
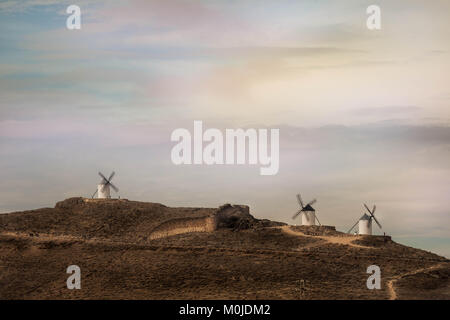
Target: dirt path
[(348, 241), (42, 238), (391, 283)]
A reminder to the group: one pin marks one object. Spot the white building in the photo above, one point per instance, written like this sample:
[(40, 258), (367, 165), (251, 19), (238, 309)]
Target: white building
[(103, 191), (365, 225), (309, 216)]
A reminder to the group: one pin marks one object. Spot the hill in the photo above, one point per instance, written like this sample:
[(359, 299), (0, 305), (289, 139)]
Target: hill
[(136, 250)]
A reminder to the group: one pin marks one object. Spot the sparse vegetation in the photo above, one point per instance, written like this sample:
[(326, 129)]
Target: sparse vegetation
[(198, 253)]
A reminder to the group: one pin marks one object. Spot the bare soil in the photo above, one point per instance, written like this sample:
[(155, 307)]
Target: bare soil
[(136, 250)]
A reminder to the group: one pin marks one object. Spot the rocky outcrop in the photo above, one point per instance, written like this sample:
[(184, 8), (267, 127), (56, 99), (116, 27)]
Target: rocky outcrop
[(238, 217)]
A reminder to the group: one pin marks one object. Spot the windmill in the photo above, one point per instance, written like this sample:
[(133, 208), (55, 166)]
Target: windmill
[(103, 188), (365, 222), (307, 212)]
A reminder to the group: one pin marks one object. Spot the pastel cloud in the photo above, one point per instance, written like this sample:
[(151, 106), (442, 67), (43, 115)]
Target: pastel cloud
[(364, 116)]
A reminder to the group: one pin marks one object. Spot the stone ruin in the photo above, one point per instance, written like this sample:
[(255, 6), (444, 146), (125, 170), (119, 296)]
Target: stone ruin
[(238, 217)]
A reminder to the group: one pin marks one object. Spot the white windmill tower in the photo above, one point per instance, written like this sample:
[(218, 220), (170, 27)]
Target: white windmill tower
[(307, 212), (365, 222), (103, 188)]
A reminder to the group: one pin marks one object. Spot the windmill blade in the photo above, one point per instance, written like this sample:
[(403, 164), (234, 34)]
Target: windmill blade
[(111, 176), (365, 205), (376, 221), (373, 210), (318, 220), (353, 226), (94, 193), (299, 212), (103, 177), (299, 198), (113, 186), (312, 202)]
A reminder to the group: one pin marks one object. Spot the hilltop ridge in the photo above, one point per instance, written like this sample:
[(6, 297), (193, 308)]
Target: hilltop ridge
[(126, 220)]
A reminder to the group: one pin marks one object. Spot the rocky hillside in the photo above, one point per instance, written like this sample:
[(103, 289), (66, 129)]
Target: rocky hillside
[(135, 250), (124, 220)]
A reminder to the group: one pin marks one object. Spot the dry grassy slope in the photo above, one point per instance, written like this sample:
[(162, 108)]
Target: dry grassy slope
[(111, 219), (110, 241)]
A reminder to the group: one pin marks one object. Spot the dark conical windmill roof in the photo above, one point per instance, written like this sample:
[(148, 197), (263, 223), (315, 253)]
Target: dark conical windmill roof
[(308, 208)]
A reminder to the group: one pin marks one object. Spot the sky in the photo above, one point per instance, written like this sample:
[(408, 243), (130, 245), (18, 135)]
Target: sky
[(363, 114)]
